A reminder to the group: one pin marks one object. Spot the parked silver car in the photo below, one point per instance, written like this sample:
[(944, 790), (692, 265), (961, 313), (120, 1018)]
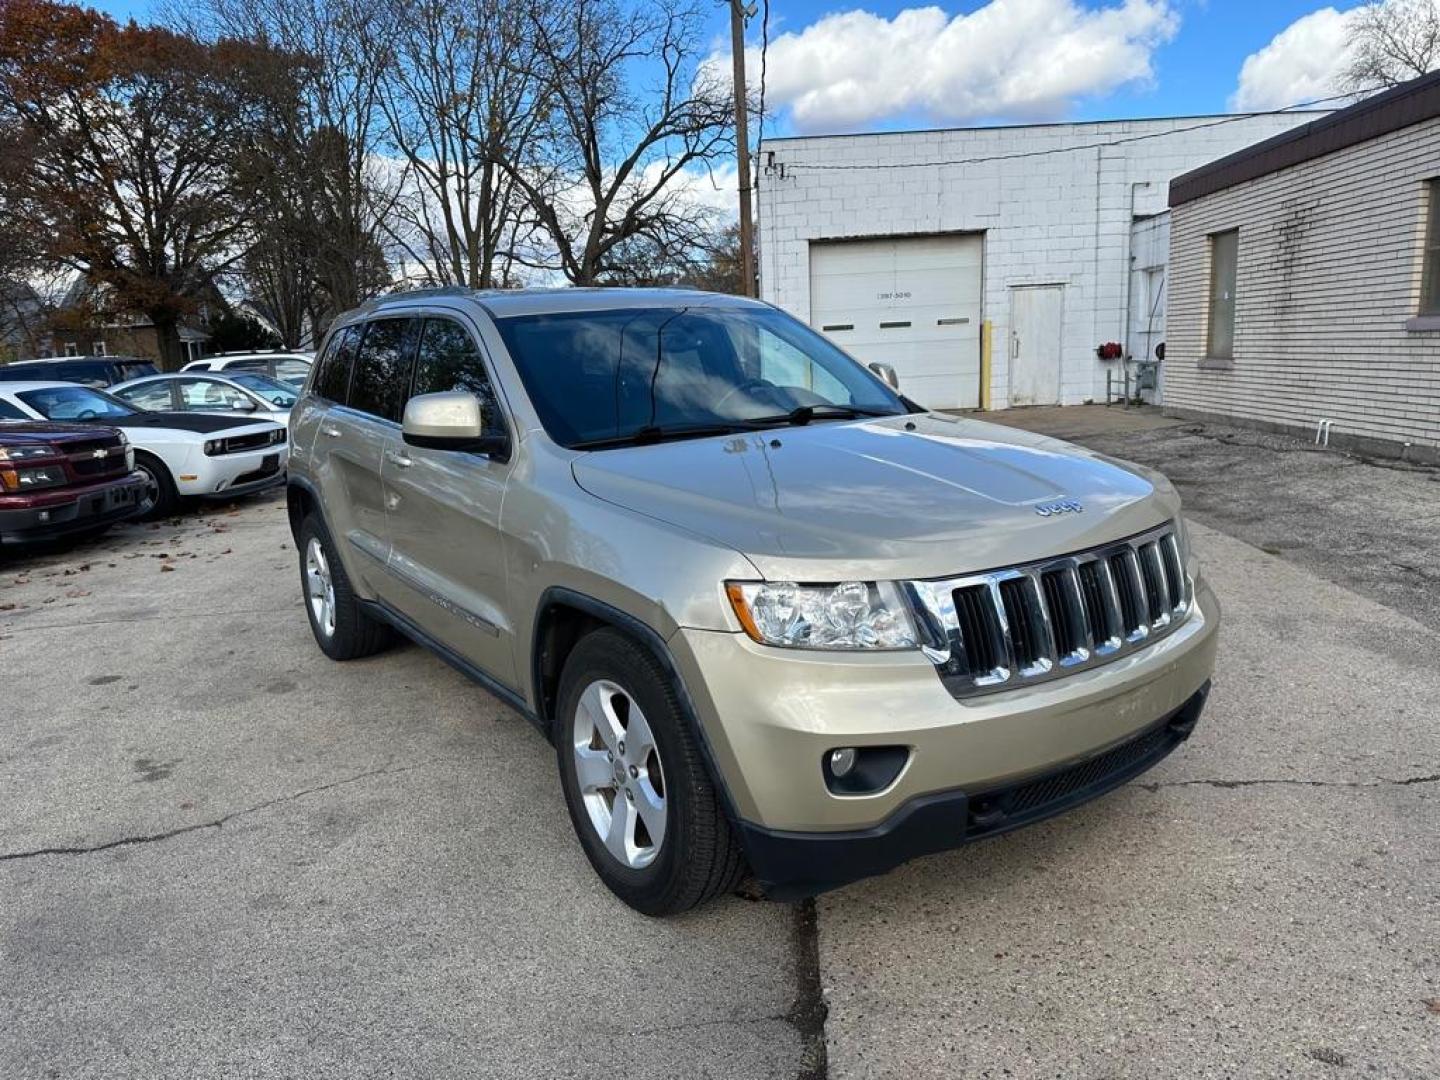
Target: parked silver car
[(770, 612)]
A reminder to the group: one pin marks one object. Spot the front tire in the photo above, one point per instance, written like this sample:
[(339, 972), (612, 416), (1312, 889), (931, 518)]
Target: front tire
[(340, 624), (158, 497), (640, 796)]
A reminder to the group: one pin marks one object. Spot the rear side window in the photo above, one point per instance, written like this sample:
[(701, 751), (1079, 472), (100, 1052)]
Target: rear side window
[(382, 369), (10, 412), (449, 360), (257, 364), (84, 373), (292, 371), (154, 396), (334, 374)]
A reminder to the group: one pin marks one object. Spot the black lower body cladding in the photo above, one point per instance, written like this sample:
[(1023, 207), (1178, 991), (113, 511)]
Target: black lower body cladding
[(792, 865)]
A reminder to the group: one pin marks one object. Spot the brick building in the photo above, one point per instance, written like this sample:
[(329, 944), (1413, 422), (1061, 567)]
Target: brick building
[(1305, 279), (903, 246)]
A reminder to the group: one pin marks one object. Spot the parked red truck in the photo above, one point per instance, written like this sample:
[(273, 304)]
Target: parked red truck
[(62, 479)]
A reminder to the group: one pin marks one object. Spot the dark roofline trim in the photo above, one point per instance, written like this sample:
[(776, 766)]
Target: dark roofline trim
[(1404, 106)]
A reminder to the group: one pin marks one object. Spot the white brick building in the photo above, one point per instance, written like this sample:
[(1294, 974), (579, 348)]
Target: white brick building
[(901, 246), (1305, 279)]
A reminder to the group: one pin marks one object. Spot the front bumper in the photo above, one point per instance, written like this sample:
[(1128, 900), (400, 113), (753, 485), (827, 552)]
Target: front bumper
[(770, 716), (230, 475), (61, 513), (791, 865)]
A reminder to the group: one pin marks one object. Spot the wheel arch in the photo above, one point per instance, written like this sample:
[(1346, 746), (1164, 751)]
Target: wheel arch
[(563, 616)]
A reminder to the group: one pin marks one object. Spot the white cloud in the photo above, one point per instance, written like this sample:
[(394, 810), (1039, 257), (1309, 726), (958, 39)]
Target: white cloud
[(1010, 59), (1304, 62)]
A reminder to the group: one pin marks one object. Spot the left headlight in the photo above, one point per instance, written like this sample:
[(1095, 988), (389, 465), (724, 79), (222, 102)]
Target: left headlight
[(848, 615), (27, 453)]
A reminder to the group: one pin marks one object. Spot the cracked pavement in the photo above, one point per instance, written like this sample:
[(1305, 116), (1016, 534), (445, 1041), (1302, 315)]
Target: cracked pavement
[(223, 855)]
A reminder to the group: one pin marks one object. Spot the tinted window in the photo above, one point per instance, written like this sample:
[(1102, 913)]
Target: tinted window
[(135, 369), (334, 374), (155, 396), (596, 375), (382, 370), (10, 412), (83, 372), (257, 364), (449, 360)]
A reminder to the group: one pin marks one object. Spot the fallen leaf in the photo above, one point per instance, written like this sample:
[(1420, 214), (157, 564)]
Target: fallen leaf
[(166, 567), (1433, 1004)]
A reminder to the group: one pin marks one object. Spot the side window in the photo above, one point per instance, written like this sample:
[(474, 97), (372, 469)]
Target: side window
[(205, 395), (382, 368), (292, 371), (10, 412), (334, 374), (249, 365), (449, 360), (1220, 337), (153, 396)]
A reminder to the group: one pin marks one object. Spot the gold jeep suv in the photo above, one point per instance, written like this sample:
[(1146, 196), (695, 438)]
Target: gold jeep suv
[(770, 612)]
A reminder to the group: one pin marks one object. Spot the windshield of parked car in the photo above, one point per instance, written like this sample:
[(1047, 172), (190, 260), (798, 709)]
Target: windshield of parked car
[(74, 403), (610, 377), (272, 390)]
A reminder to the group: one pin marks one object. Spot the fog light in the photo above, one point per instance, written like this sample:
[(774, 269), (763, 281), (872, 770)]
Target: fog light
[(852, 770)]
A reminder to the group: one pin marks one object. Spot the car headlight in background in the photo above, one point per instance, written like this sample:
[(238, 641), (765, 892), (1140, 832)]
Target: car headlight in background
[(27, 453), (848, 615), (32, 479)]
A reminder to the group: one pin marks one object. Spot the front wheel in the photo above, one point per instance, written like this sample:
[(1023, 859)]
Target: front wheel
[(158, 497), (640, 796)]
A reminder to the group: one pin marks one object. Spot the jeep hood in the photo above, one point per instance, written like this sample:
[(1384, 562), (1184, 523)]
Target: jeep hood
[(874, 499)]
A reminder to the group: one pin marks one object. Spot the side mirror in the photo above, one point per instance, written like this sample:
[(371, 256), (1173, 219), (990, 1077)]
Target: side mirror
[(454, 420), (242, 405), (886, 373)]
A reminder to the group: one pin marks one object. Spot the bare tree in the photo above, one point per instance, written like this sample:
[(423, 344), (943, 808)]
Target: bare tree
[(316, 243), (1395, 41), (629, 108), (461, 97)]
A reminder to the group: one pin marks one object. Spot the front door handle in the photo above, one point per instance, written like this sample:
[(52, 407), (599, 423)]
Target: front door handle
[(332, 432), (398, 458)]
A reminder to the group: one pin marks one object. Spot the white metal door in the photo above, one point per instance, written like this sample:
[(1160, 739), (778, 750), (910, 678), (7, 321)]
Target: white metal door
[(1036, 321), (913, 303)]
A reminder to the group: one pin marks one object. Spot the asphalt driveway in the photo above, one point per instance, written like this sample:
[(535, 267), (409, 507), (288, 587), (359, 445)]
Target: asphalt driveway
[(223, 855)]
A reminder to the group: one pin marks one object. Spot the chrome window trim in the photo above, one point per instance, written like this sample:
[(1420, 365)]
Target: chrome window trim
[(942, 640)]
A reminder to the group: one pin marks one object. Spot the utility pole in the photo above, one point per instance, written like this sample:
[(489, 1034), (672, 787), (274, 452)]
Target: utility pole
[(738, 14)]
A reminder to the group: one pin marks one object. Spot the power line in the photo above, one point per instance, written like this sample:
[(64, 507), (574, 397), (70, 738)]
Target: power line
[(806, 167)]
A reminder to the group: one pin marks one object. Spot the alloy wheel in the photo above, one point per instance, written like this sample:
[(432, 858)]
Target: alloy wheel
[(621, 779), (319, 589)]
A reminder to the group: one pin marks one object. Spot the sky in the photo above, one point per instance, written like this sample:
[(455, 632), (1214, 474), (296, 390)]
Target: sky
[(837, 66)]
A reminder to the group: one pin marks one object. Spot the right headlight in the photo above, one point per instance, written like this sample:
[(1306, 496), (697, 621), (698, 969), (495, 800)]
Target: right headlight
[(848, 615)]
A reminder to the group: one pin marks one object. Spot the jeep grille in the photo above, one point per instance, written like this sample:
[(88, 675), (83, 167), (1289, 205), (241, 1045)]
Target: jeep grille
[(1027, 624)]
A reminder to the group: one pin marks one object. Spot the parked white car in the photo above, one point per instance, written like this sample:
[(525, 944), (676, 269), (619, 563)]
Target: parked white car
[(262, 397), (181, 454), (288, 367)]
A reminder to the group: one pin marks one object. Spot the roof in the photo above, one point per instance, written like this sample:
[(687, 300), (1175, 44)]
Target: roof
[(19, 385), (1403, 106), (503, 303), (993, 129)]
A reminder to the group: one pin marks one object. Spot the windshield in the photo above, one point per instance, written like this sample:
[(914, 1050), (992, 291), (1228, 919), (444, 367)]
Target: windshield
[(74, 403), (272, 390), (609, 376)]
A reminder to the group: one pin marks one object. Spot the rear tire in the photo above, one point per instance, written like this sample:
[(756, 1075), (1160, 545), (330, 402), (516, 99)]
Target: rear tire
[(342, 628), (158, 498), (631, 768)]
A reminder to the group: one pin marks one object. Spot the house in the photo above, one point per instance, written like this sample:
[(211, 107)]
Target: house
[(84, 322), (1305, 280), (987, 265)]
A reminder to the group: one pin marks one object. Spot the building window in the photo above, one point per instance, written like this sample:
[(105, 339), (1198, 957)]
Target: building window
[(71, 349), (98, 348), (1430, 281), (1220, 337)]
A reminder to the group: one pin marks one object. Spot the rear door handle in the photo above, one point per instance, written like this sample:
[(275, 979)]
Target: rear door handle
[(333, 432), (398, 458)]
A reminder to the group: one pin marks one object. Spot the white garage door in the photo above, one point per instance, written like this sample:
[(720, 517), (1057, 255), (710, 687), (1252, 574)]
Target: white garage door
[(912, 303)]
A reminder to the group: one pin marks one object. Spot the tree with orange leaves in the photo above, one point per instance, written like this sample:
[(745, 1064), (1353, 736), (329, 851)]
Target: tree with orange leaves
[(125, 140)]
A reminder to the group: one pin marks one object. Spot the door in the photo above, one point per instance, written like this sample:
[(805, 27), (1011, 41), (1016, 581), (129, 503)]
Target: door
[(356, 431), (913, 303), (1036, 321), (444, 516)]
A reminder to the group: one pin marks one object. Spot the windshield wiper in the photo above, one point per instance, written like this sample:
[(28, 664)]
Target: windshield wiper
[(653, 433), (805, 413)]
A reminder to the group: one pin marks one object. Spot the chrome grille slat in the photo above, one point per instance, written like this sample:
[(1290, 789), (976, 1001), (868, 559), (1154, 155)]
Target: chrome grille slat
[(1026, 624)]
